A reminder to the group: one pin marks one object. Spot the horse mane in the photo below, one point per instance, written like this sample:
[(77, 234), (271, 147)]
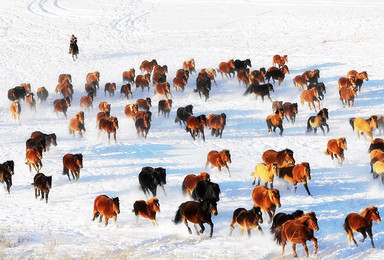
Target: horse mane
[(365, 212)]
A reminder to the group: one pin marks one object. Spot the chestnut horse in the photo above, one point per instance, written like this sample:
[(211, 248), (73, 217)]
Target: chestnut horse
[(198, 213), (62, 77), (195, 125), (190, 181), (163, 89), (336, 147), (61, 105), (144, 104), (94, 78), (129, 76), (130, 110), (297, 173), (160, 69), (362, 125), (310, 96), (34, 158), (276, 121), (104, 106), (312, 77), (298, 231), (281, 158), (346, 82), (362, 223), (42, 94), (219, 159), (279, 60), (164, 107), (73, 163), (15, 110), (189, 66), (179, 83), (110, 125), (77, 124), (290, 111), (247, 219), (110, 88), (300, 81), (257, 75), (126, 90), (358, 78), (227, 68), (217, 123), (319, 120), (280, 218), (86, 101), (107, 207), (143, 81), (30, 101), (142, 126), (147, 209), (266, 199), (277, 74), (101, 115), (347, 95)]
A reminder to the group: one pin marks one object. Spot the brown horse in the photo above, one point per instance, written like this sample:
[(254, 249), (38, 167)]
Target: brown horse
[(377, 143), (48, 138), (227, 68), (243, 77), (129, 76), (110, 88), (110, 125), (217, 123), (297, 173), (276, 121), (189, 65), (190, 181), (179, 83), (195, 125), (15, 110), (101, 115), (42, 94), (298, 231), (345, 82), (30, 101), (104, 106), (376, 155), (163, 89), (164, 107), (61, 105), (42, 184), (63, 77), (362, 223), (160, 69), (290, 111), (144, 104), (300, 81), (319, 120), (211, 73), (197, 213), (277, 74), (276, 105), (281, 158), (181, 73), (279, 60), (357, 78), (94, 78), (247, 219), (347, 95), (142, 126), (147, 66), (266, 199), (130, 110), (86, 101), (77, 124), (64, 87), (107, 207), (147, 209), (362, 125), (73, 163), (158, 77), (143, 81), (143, 114), (34, 158), (312, 77), (310, 96), (126, 90), (336, 147), (219, 159), (257, 75)]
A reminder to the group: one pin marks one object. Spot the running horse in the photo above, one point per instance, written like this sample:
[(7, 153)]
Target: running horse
[(281, 158), (217, 123), (110, 125), (219, 159), (61, 105), (77, 124), (163, 89), (362, 125), (147, 209), (247, 219), (336, 147), (73, 163), (190, 181), (227, 68), (107, 207), (279, 60), (319, 120), (310, 96), (195, 125), (189, 66), (276, 121), (357, 78)]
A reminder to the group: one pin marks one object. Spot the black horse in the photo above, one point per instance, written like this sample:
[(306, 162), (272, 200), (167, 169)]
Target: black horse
[(206, 190), (203, 86), (6, 172), (260, 90), (242, 64), (183, 113), (17, 93), (150, 178)]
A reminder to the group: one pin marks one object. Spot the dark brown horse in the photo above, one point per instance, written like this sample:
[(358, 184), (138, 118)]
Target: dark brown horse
[(110, 125), (107, 207), (281, 158), (49, 138), (319, 120), (142, 126), (197, 213), (290, 111), (179, 83), (195, 125), (126, 90), (336, 147), (298, 231), (110, 88), (266, 199), (276, 121), (247, 219), (42, 185), (101, 115), (6, 172), (280, 218), (86, 101), (147, 209), (61, 105), (357, 78), (73, 163), (362, 223), (217, 123), (190, 181), (219, 159)]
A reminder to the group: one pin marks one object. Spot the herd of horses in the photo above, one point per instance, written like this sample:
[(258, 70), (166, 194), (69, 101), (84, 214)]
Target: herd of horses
[(296, 227)]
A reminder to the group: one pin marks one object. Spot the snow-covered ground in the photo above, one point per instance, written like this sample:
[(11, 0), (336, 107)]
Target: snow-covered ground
[(116, 35)]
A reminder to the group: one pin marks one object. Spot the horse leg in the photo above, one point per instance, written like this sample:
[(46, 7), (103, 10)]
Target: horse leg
[(322, 129), (211, 224), (109, 137), (258, 182), (284, 241), (226, 167), (35, 192), (202, 227), (369, 231), (106, 221), (114, 136), (306, 188), (363, 232), (186, 223), (305, 248), (281, 130), (327, 127)]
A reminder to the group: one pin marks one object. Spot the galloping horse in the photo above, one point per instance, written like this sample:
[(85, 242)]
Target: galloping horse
[(107, 207), (346, 82), (15, 110), (347, 95), (77, 124), (129, 76), (130, 110), (86, 101), (217, 123), (361, 223), (280, 218), (290, 111), (189, 65), (110, 88), (266, 199), (281, 158), (34, 158), (279, 60), (219, 159), (147, 66), (198, 213), (110, 125), (298, 231), (93, 78), (227, 68), (276, 121), (319, 120), (61, 105), (163, 89), (299, 81), (42, 94), (364, 126), (73, 163), (142, 126), (195, 125), (248, 219), (147, 209), (357, 78), (336, 147), (190, 181), (310, 96)]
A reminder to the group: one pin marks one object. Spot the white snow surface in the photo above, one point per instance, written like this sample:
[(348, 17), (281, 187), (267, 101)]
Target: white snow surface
[(116, 35)]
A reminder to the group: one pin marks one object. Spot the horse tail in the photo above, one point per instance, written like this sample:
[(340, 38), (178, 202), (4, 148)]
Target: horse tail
[(65, 171), (248, 91), (352, 122), (309, 127), (326, 152), (278, 235), (346, 226), (183, 188), (178, 216)]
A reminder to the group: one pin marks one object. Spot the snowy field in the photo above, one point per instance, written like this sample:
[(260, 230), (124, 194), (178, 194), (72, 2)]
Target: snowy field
[(116, 35)]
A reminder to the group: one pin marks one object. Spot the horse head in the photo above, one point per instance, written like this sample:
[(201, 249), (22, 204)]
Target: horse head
[(312, 221), (154, 204), (226, 156), (78, 160), (116, 205), (9, 166), (289, 156), (297, 213), (342, 143), (274, 196), (209, 206), (258, 214), (205, 176), (307, 172)]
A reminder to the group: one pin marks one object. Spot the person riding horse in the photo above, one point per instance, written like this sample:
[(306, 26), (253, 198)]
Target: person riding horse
[(73, 45)]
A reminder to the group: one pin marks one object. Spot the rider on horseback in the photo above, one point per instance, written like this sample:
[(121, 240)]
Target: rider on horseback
[(73, 45)]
